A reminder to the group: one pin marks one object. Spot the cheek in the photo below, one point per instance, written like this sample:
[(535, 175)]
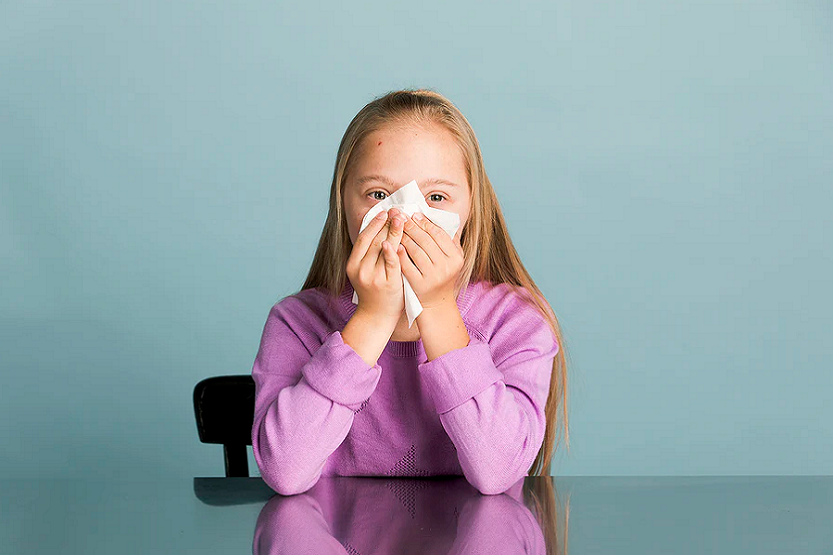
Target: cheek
[(353, 213), (353, 227)]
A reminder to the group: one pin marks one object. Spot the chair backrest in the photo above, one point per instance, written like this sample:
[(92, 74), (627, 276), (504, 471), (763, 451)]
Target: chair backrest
[(224, 407)]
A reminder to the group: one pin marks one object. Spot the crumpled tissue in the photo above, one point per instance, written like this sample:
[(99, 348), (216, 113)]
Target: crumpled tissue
[(409, 200)]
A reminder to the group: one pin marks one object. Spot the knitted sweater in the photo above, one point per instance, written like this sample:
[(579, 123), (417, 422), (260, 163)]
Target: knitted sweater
[(477, 411)]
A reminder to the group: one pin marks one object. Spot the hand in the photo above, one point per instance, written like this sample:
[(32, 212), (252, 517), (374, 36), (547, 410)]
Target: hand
[(437, 261), (374, 271)]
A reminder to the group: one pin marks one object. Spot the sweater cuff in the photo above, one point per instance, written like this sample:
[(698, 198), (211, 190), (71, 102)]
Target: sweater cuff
[(456, 376), (337, 372)]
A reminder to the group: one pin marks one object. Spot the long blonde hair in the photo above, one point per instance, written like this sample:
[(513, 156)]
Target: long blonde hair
[(553, 515), (489, 253)]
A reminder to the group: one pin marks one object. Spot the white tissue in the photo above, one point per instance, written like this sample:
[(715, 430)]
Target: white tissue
[(409, 200)]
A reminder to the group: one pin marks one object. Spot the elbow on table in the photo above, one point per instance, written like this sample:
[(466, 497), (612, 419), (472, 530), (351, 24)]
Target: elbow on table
[(286, 484), (495, 474), (492, 482), (274, 465)]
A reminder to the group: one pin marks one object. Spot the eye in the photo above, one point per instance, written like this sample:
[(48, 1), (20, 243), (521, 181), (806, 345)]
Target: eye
[(373, 193)]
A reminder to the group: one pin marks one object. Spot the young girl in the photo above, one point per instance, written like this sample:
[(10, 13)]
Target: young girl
[(473, 387)]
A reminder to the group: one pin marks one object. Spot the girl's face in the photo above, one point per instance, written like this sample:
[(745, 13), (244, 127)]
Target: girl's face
[(391, 157)]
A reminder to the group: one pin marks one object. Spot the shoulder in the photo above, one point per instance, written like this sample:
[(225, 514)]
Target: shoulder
[(499, 304), (506, 317), (308, 305), (307, 315)]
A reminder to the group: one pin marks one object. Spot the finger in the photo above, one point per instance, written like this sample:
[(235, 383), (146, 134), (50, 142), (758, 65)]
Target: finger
[(366, 236), (380, 259), (392, 268), (393, 228), (458, 240), (375, 249), (423, 239), (397, 222), (407, 267), (441, 237), (421, 260)]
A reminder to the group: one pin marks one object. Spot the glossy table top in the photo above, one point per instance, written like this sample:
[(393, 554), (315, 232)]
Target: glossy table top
[(364, 515)]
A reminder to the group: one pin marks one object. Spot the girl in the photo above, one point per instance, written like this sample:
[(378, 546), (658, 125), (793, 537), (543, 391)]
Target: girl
[(474, 388)]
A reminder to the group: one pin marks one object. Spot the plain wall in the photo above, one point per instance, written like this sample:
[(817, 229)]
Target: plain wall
[(664, 168)]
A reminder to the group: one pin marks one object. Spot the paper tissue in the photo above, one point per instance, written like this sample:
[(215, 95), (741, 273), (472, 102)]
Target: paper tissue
[(409, 200)]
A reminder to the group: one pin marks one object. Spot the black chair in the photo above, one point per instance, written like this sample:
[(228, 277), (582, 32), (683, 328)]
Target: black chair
[(225, 410)]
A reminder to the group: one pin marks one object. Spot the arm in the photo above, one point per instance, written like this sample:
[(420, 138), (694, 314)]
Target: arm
[(491, 406), (304, 402), (497, 524), (294, 525)]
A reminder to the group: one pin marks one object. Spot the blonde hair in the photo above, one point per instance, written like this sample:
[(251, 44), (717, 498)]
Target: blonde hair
[(489, 253), (541, 497)]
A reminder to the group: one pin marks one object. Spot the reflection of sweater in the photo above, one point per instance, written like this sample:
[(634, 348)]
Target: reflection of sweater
[(321, 410), (373, 516)]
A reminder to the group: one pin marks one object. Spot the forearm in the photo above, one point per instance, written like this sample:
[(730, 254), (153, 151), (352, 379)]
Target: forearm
[(494, 416), (295, 436), (295, 524), (497, 436), (304, 406), (367, 335), (442, 330)]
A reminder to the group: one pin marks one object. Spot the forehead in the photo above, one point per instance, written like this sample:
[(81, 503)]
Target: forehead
[(381, 178), (395, 155)]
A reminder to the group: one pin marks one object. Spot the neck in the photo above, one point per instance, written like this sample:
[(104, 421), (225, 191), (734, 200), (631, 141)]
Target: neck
[(402, 333)]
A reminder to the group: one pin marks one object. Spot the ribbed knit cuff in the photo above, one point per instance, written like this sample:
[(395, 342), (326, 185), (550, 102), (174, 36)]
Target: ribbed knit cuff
[(455, 377), (337, 372)]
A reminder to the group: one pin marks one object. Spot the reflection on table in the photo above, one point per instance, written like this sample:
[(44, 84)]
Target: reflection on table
[(364, 516)]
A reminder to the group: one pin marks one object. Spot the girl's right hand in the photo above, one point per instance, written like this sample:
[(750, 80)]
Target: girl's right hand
[(374, 270)]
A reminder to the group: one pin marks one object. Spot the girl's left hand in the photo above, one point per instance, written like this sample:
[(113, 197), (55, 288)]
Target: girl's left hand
[(437, 261)]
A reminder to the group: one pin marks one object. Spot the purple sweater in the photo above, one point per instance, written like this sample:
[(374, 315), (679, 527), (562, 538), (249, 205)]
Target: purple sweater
[(321, 410)]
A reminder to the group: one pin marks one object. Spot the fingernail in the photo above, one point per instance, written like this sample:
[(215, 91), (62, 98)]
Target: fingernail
[(381, 215), (418, 216)]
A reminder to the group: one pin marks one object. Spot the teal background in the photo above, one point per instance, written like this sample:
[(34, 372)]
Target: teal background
[(664, 168)]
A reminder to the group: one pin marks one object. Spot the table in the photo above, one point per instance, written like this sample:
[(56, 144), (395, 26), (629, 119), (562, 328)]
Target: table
[(366, 515)]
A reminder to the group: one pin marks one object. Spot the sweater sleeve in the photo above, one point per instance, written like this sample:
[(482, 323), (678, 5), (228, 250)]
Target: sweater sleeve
[(305, 398), (295, 525), (497, 524), (491, 397)]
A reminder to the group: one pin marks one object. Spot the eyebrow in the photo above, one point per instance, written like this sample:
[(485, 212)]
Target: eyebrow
[(386, 180)]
